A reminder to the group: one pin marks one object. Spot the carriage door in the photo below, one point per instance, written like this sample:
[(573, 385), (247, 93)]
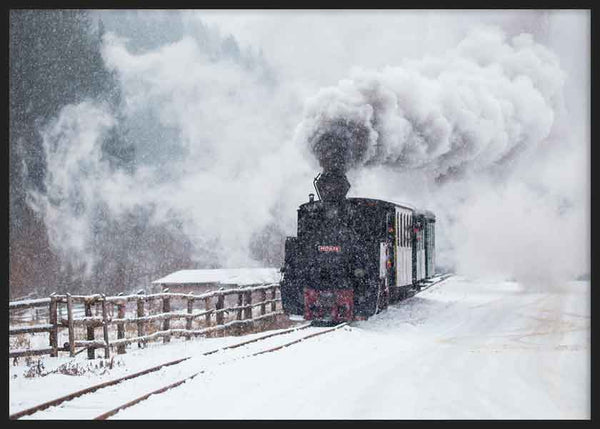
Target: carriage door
[(382, 260), (386, 260)]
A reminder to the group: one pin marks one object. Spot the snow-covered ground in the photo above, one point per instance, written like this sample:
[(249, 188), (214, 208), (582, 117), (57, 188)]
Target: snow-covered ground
[(462, 349)]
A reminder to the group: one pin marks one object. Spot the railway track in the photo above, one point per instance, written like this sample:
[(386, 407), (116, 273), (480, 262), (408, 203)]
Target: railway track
[(114, 411), (434, 281), (84, 403), (173, 368), (104, 416)]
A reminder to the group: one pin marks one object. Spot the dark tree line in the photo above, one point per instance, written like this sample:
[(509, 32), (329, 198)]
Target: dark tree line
[(55, 60)]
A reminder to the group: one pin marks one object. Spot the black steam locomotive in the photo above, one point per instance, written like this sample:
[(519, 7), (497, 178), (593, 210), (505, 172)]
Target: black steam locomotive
[(354, 256)]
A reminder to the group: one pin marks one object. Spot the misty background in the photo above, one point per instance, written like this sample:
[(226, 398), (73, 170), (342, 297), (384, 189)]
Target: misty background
[(143, 142)]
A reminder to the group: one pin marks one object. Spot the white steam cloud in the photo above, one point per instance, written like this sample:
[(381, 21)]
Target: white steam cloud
[(225, 184), (477, 133), (477, 106), (74, 179)]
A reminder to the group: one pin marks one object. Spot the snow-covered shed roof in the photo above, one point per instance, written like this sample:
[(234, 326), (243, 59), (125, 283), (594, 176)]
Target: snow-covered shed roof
[(239, 276)]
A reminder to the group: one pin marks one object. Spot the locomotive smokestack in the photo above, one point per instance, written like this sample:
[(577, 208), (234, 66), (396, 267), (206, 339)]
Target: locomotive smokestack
[(332, 185)]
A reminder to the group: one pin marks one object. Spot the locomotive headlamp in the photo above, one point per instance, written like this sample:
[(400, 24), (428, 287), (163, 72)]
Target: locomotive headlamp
[(359, 272)]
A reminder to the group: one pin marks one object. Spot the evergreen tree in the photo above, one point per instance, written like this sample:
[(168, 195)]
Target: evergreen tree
[(54, 60)]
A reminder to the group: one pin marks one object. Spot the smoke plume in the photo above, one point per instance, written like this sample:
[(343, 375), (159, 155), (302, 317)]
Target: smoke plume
[(471, 125), (478, 135), (475, 108)]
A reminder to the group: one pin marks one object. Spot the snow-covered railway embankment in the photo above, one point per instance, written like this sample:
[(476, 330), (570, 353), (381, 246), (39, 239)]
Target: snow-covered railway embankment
[(106, 399)]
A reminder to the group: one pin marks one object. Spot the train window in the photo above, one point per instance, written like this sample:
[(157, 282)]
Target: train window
[(406, 231), (409, 227), (397, 228), (403, 231), (409, 231), (400, 230)]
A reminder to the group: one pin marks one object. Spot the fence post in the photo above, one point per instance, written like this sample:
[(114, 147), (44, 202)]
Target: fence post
[(121, 327), (140, 323), (273, 297), (70, 324), (206, 308), (248, 311), (263, 298), (220, 305), (240, 297), (105, 328), (167, 322), (188, 322), (91, 351), (53, 320)]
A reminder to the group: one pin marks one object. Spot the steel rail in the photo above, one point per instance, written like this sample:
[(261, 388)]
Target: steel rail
[(70, 396), (442, 278), (133, 402), (73, 395), (114, 411), (341, 325)]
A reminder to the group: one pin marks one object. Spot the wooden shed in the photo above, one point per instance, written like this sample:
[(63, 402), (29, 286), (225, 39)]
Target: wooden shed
[(201, 281)]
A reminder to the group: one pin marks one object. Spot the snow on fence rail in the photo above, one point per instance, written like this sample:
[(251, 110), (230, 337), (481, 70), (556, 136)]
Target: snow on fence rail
[(149, 317)]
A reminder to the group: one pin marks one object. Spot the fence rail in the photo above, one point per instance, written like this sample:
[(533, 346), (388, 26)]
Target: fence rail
[(149, 317)]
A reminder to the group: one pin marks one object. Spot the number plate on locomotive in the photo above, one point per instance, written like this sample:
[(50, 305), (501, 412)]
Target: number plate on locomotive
[(330, 249)]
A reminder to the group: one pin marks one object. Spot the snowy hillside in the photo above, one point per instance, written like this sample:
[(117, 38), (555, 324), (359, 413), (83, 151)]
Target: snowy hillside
[(461, 349)]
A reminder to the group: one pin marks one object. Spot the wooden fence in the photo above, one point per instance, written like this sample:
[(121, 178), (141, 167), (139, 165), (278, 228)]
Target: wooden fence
[(139, 318)]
